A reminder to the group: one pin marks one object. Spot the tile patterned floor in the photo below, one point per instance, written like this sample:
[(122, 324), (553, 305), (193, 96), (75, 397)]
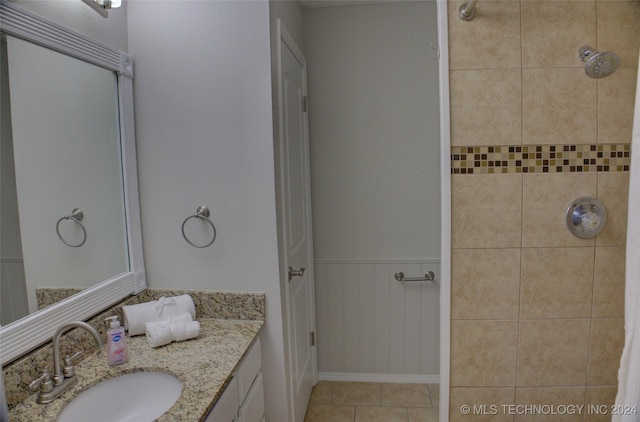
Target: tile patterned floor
[(373, 402)]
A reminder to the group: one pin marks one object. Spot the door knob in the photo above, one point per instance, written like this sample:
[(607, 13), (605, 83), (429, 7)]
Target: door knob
[(296, 273)]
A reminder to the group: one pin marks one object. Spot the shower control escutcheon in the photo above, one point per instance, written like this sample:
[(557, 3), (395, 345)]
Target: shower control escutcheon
[(296, 273)]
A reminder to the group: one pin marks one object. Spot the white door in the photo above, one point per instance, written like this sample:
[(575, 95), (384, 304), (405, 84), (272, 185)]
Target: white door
[(295, 227)]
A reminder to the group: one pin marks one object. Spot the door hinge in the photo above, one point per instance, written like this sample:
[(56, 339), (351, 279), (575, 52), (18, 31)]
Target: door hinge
[(312, 338), (305, 103)]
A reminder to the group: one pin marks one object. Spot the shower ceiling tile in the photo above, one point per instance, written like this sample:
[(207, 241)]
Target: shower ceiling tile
[(486, 107), (556, 283), (545, 201), (616, 98), (552, 32), (619, 29), (559, 106), (553, 352), (485, 283), (495, 32), (613, 191)]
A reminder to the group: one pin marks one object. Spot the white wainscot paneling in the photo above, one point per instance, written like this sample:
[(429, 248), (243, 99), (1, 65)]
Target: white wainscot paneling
[(372, 327)]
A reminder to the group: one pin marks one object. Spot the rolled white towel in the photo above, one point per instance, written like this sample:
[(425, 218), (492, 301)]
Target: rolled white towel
[(161, 333), (164, 332), (181, 331), (158, 333), (136, 316)]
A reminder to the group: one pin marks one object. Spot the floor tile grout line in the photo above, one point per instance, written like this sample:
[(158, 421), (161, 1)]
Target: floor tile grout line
[(354, 407)]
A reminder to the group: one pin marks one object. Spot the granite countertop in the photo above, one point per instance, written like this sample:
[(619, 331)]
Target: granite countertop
[(203, 365)]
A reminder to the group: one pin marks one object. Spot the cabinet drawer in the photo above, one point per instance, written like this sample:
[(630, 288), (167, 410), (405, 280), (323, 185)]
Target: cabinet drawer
[(252, 410), (249, 369), (226, 408)]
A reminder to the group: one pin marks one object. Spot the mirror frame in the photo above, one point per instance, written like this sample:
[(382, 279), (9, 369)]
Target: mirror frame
[(35, 329)]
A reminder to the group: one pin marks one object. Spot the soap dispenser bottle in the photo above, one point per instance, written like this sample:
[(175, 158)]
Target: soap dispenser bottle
[(117, 350)]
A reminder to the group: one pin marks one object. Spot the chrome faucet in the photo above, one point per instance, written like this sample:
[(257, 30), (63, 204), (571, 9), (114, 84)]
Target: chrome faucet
[(63, 379)]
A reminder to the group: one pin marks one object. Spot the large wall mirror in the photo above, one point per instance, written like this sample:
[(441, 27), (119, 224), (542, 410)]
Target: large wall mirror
[(70, 242)]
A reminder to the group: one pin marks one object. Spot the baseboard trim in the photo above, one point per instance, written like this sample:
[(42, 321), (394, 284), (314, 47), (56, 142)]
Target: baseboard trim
[(360, 377)]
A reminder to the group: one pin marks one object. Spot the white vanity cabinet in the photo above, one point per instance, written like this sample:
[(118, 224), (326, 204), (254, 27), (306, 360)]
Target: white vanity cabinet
[(243, 399)]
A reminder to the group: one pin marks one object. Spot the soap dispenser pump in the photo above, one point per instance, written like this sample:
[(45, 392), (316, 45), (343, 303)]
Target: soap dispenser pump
[(117, 350)]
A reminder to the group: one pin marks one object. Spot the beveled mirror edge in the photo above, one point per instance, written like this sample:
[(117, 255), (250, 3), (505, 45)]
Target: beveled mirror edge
[(22, 336)]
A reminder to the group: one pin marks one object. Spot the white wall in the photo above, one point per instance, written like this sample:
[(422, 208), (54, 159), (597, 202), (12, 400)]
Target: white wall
[(205, 137), (375, 152), (374, 131)]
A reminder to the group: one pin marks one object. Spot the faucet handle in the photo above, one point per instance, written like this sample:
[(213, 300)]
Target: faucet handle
[(44, 382), (68, 370)]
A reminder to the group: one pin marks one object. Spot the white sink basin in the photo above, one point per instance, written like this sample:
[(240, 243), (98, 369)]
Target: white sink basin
[(139, 397)]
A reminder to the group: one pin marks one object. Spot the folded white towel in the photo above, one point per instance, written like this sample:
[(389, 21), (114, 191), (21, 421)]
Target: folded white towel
[(158, 334), (164, 332), (136, 316), (181, 331)]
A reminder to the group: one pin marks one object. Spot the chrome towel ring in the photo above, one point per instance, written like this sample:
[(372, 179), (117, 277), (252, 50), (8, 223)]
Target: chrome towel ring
[(76, 216), (202, 213)]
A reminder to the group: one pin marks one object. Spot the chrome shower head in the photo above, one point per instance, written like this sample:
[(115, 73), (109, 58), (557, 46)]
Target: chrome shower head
[(599, 65)]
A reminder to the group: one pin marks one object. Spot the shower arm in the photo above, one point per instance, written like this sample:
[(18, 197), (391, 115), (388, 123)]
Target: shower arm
[(467, 11)]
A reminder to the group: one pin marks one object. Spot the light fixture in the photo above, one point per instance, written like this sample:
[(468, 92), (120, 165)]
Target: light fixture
[(102, 6)]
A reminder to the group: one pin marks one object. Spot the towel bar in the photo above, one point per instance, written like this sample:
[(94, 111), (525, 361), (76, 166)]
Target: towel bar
[(429, 276)]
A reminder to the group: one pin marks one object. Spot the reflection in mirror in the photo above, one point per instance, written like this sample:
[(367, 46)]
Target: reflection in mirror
[(60, 151), (107, 193)]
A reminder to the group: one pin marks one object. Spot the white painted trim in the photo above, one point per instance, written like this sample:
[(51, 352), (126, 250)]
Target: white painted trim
[(378, 261), (11, 259), (360, 377), (37, 328), (280, 206), (130, 178), (314, 4), (285, 38), (31, 331), (445, 200), (29, 26)]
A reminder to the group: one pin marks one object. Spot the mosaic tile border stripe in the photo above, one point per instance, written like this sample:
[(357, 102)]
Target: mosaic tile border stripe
[(541, 159)]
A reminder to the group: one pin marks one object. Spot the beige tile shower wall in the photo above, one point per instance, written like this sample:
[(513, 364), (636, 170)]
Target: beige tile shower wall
[(537, 314)]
